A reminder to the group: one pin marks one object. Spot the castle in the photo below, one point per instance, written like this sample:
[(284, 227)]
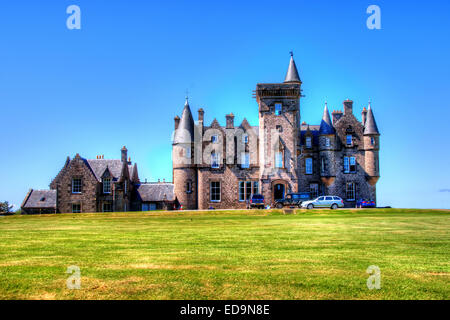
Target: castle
[(221, 167)]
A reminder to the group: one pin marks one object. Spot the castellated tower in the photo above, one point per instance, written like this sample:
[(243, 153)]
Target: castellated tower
[(371, 147), (327, 152), (184, 171), (279, 120)]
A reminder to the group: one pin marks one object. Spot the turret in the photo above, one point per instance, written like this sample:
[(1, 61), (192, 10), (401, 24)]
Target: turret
[(184, 171), (371, 147), (327, 145)]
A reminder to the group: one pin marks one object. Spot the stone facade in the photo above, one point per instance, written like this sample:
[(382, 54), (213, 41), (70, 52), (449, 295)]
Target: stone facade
[(221, 166)]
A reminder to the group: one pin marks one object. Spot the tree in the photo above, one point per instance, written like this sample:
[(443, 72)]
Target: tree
[(5, 208)]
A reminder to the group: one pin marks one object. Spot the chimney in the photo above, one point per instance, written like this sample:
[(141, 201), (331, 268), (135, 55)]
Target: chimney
[(159, 180), (124, 154), (201, 114), (177, 121), (348, 107), (364, 116), (336, 115), (230, 121), (164, 180)]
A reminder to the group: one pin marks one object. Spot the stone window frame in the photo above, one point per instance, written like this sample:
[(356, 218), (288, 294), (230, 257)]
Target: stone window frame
[(211, 191), (107, 203), (215, 138), (323, 165), (348, 165), (107, 182), (308, 142), (347, 184), (76, 205), (80, 187), (327, 142), (318, 189), (244, 163), (215, 164), (243, 184), (189, 186), (347, 135), (372, 141), (306, 165)]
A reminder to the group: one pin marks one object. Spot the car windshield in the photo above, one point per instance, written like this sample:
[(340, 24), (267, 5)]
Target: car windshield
[(258, 196)]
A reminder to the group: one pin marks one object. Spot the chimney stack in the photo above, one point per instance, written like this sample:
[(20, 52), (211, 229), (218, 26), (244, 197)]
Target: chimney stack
[(364, 116), (124, 154), (336, 115), (348, 107), (177, 121), (230, 121), (201, 114)]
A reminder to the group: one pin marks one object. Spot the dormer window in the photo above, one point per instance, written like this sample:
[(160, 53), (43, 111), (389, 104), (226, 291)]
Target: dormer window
[(76, 185), (214, 160), (278, 108), (327, 142), (349, 140), (215, 138), (308, 142), (107, 185), (245, 139)]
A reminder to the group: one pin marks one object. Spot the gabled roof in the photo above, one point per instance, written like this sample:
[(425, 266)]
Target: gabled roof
[(40, 199), (185, 130), (370, 126), (292, 73), (99, 166), (150, 192), (325, 126)]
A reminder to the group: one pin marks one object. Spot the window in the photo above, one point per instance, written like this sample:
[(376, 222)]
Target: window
[(327, 142), (321, 198), (107, 207), (328, 198), (337, 198), (76, 185), (309, 165), (241, 191), (107, 185), (245, 160), (349, 164), (245, 139), (350, 191), (247, 188), (215, 191), (349, 140), (255, 187), (278, 159), (278, 108), (214, 160), (189, 187), (279, 128), (314, 190), (372, 141), (215, 138), (308, 142), (323, 165), (125, 186), (188, 153), (76, 208)]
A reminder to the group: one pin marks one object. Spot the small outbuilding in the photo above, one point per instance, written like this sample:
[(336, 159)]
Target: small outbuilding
[(39, 202)]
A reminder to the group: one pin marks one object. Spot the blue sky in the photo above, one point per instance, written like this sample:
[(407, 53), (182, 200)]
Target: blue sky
[(122, 78)]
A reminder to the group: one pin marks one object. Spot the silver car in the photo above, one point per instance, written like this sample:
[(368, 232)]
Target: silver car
[(332, 202)]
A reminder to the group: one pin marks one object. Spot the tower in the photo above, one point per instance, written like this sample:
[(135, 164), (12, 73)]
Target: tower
[(372, 148), (279, 120), (327, 147), (184, 170)]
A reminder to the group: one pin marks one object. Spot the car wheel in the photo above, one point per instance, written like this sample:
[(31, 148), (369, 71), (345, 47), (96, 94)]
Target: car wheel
[(310, 206), (279, 206), (334, 206)]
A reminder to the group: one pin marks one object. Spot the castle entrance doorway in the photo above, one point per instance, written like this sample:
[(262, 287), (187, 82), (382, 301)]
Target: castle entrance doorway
[(278, 192)]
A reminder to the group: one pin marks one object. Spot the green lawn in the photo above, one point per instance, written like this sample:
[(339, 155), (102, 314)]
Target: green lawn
[(317, 254)]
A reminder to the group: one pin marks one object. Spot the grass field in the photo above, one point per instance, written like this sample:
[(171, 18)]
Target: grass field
[(317, 254)]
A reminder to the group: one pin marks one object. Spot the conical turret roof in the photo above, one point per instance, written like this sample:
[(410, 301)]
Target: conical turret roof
[(292, 73), (370, 126), (185, 131), (325, 126)]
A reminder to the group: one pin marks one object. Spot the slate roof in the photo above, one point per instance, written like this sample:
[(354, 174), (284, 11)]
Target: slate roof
[(370, 124), (185, 130), (314, 130), (152, 192), (40, 199), (292, 73), (99, 166), (325, 126)]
